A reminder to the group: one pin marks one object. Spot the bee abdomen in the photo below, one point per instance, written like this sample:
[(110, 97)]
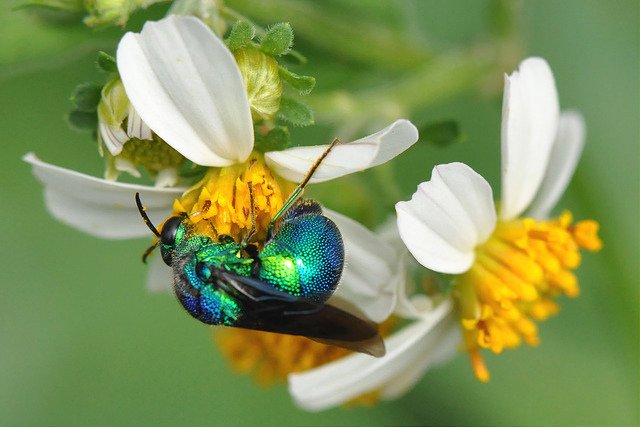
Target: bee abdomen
[(305, 258)]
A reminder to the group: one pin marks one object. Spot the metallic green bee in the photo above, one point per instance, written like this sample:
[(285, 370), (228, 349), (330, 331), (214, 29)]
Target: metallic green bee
[(281, 288)]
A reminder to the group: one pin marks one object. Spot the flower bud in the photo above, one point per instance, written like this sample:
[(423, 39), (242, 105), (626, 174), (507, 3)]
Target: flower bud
[(109, 12), (262, 80)]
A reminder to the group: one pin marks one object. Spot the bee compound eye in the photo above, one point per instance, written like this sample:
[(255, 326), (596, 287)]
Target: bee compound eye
[(169, 230), (203, 271)]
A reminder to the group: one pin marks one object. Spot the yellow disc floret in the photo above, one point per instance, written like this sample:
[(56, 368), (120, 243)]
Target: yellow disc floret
[(515, 279), (220, 203)]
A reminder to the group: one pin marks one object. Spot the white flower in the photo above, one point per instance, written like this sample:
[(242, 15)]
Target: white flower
[(511, 268), (427, 342), (443, 225), (453, 213), (185, 85)]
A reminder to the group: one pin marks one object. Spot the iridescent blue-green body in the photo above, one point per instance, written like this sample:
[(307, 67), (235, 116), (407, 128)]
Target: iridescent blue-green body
[(303, 257)]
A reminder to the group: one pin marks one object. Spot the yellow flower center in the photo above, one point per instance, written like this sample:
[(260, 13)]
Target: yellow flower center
[(220, 203), (515, 279)]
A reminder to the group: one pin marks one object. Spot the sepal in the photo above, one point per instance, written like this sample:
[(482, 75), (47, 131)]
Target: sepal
[(295, 112), (107, 62), (278, 39), (86, 97), (83, 121), (303, 84), (240, 36), (276, 139)]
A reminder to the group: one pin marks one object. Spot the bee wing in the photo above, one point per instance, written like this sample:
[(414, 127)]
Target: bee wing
[(270, 310)]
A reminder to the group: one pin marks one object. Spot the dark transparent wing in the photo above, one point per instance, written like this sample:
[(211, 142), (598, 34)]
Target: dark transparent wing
[(267, 309)]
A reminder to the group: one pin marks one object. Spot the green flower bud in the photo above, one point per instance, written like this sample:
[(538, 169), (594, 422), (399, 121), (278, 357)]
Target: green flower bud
[(261, 77), (114, 104), (130, 142)]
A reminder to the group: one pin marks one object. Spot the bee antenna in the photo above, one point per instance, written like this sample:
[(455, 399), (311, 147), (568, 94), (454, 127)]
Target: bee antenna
[(146, 219), (317, 163), (296, 193), (148, 251), (253, 216)]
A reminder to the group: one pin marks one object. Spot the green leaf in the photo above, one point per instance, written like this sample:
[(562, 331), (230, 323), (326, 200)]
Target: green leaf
[(278, 39), (276, 139), (107, 62), (304, 84), (441, 133), (295, 112), (241, 35), (86, 97), (83, 121)]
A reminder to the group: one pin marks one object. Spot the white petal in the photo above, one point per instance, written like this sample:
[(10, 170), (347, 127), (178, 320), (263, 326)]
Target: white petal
[(167, 177), (351, 376), (125, 165), (373, 150), (447, 218), (443, 342), (565, 154), (185, 84), (113, 137), (159, 275), (389, 232), (409, 305), (99, 207), (136, 127), (530, 113), (371, 272)]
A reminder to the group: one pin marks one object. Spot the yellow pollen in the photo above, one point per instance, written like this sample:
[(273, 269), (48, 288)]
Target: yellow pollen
[(514, 280), (220, 203)]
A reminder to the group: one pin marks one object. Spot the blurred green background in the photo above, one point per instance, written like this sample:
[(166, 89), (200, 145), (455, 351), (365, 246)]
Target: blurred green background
[(82, 342)]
